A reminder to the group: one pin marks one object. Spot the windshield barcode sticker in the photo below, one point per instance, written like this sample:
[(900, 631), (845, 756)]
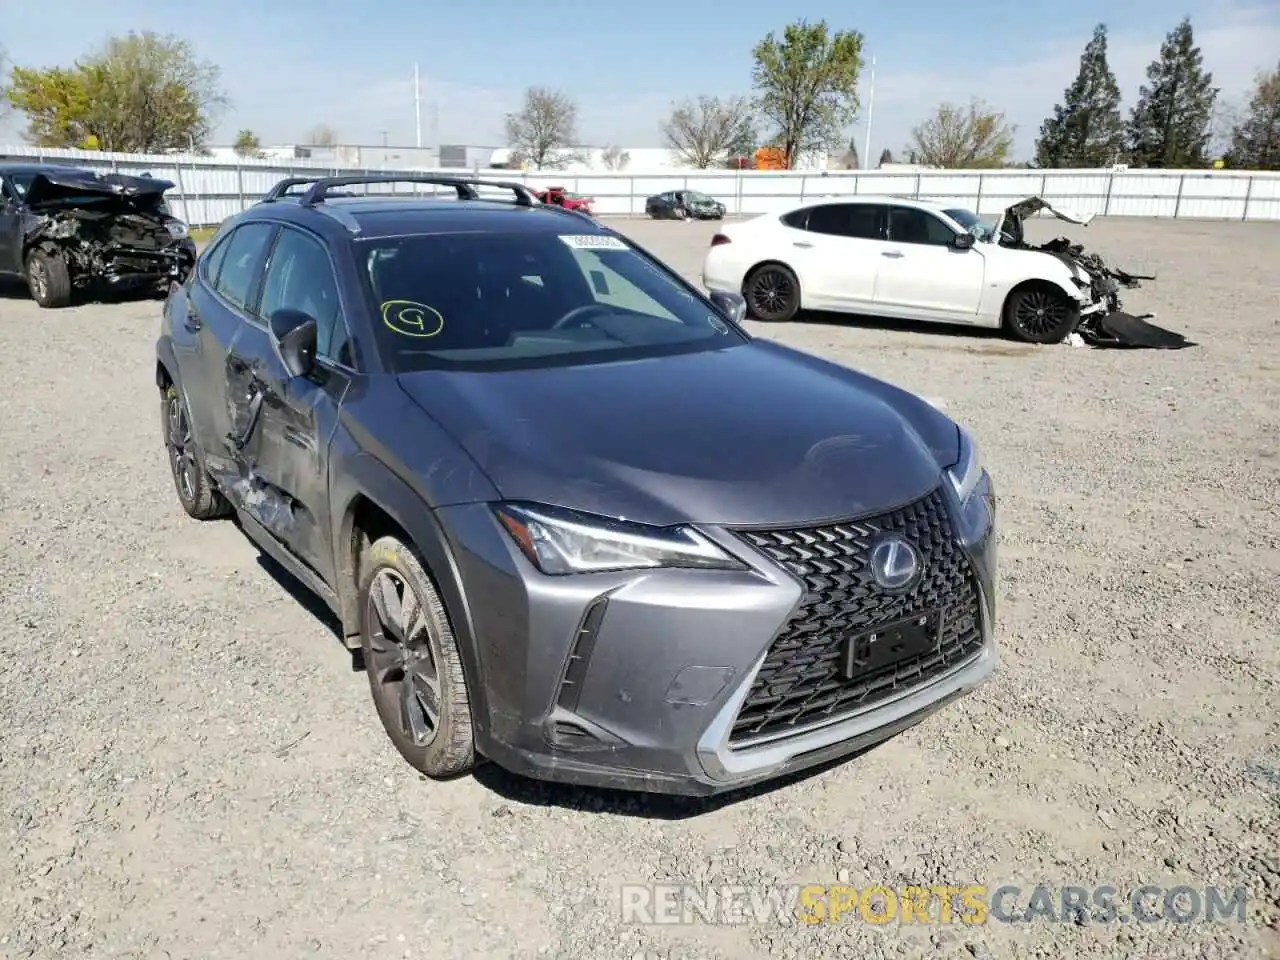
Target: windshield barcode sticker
[(592, 241)]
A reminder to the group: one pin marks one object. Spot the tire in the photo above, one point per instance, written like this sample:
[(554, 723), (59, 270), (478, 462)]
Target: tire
[(195, 488), (680, 213), (443, 747), (772, 293), (48, 279), (1040, 314)]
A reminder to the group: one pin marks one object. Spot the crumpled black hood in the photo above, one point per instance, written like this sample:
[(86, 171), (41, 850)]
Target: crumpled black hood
[(65, 187), (753, 434)]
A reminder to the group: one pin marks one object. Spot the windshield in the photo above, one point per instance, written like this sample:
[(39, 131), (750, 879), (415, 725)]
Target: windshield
[(696, 197), (972, 223), (486, 301)]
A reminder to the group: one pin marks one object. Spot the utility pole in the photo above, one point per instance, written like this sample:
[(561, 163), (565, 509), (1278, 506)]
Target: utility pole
[(871, 101), (384, 137), (417, 105)]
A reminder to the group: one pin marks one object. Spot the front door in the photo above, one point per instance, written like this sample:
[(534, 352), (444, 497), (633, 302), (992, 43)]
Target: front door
[(10, 230), (286, 458), (922, 274)]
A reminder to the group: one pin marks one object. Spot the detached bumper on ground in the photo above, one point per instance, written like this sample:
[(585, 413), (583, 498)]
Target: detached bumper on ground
[(700, 682)]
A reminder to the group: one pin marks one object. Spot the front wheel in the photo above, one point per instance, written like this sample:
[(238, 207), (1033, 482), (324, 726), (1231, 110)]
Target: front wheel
[(411, 656), (196, 491), (680, 213), (1040, 314), (48, 278), (772, 293)]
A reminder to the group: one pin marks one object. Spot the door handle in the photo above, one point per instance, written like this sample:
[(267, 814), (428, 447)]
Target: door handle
[(801, 243), (892, 254)]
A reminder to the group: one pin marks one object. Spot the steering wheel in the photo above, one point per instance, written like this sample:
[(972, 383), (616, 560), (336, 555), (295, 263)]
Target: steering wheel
[(578, 312)]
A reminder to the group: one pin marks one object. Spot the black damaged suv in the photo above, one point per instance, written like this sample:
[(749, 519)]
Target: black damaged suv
[(63, 230)]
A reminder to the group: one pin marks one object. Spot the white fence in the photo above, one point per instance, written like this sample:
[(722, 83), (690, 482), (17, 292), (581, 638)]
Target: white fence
[(208, 191)]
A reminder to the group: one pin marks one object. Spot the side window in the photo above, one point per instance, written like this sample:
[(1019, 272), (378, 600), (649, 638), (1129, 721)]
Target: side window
[(865, 221), (613, 288), (300, 277), (212, 258), (831, 219), (243, 261), (798, 219), (910, 225)]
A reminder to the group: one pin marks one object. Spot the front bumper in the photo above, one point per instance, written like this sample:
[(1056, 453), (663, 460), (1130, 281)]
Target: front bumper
[(642, 681)]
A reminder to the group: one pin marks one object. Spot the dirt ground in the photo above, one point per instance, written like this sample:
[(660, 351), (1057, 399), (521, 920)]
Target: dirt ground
[(190, 767)]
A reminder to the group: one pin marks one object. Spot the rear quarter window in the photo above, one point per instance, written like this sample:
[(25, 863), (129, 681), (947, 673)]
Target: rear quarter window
[(799, 219)]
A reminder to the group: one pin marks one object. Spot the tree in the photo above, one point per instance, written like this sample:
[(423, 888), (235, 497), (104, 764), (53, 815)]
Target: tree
[(886, 156), (1170, 124), (322, 135), (615, 158), (545, 128), (141, 93), (704, 132), (1255, 142), (248, 145), (963, 138), (807, 85), (1086, 129)]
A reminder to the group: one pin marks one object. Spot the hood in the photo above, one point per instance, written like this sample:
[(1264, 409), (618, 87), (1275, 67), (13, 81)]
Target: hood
[(1033, 205), (62, 187), (751, 434)]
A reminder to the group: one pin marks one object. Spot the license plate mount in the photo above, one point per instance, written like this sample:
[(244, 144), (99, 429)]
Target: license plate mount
[(890, 643)]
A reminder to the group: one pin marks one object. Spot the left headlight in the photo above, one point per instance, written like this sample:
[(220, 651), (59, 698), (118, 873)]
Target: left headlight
[(177, 229), (560, 542), (973, 489)]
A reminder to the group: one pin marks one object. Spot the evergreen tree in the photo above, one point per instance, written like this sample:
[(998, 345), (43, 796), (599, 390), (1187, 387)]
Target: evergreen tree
[(1086, 129), (886, 156), (1170, 123), (1255, 142)]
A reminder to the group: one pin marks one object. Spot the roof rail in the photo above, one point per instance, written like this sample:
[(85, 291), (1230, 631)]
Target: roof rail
[(321, 187), (284, 186)]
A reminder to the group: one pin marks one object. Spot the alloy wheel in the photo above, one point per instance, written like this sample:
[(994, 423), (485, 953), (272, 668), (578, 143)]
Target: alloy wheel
[(771, 293), (405, 667), (182, 458), (39, 281), (1039, 312)]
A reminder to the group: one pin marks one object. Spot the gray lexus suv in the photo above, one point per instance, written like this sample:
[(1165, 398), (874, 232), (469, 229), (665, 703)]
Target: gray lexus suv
[(576, 519)]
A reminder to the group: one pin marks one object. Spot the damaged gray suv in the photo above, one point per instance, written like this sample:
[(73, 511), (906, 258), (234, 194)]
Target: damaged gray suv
[(577, 521)]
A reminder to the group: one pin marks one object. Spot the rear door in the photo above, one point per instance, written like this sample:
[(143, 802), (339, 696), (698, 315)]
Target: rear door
[(923, 274), (205, 325), (840, 254), (288, 489), (10, 229)]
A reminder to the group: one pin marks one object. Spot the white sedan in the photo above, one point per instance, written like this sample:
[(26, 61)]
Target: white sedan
[(909, 259)]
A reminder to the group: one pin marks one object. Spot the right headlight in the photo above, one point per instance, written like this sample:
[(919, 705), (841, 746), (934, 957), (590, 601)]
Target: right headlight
[(974, 490), (559, 542)]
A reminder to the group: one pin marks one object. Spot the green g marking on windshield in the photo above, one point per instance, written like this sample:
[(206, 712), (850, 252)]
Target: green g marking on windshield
[(411, 319)]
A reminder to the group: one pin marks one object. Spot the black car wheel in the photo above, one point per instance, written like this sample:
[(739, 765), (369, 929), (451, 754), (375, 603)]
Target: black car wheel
[(196, 491), (772, 293), (48, 278), (411, 656), (1040, 314), (680, 213)]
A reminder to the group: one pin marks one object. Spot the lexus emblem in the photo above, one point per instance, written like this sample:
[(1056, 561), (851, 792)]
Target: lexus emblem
[(895, 564)]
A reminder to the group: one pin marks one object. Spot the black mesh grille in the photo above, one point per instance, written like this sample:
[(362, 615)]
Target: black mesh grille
[(801, 681)]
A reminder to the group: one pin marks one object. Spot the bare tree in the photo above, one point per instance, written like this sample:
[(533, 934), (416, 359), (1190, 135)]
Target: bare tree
[(703, 132), (963, 138), (322, 135), (1224, 119), (615, 158), (545, 128)]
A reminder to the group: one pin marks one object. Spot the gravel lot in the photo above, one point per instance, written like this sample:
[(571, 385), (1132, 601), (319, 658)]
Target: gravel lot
[(190, 767)]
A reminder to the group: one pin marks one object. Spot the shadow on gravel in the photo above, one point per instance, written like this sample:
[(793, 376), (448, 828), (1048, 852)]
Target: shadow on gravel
[(982, 340)]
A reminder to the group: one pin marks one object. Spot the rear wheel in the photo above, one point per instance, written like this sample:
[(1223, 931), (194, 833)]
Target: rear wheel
[(196, 491), (1040, 314), (772, 293), (411, 656), (48, 278)]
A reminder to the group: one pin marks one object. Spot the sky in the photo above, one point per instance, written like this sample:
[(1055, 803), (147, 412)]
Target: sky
[(292, 64)]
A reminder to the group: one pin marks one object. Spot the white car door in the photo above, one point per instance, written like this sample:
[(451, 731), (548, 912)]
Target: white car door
[(922, 273), (843, 254)]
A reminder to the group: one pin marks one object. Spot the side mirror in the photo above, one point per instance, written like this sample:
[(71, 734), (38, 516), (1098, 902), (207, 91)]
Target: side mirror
[(962, 241), (293, 333), (732, 305)]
